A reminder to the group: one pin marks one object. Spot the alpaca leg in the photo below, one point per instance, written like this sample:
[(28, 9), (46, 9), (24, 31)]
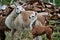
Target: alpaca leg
[(12, 34), (39, 38), (19, 35), (49, 37), (35, 38)]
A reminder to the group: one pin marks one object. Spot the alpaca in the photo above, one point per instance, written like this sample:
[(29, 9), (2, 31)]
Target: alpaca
[(9, 22), (38, 30), (19, 21), (41, 19), (22, 21), (42, 16), (13, 14)]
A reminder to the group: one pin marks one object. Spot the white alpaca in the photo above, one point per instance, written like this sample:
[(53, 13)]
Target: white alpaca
[(9, 20), (18, 22), (23, 20), (14, 14)]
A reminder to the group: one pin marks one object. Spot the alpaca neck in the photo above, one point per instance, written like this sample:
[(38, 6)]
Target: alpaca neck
[(13, 15), (9, 20), (33, 22)]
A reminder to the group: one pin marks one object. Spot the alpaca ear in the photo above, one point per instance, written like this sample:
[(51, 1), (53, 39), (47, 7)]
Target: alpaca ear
[(23, 4), (35, 13), (15, 4)]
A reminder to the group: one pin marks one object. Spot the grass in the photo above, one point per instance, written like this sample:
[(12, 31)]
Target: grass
[(25, 36), (28, 36), (56, 36)]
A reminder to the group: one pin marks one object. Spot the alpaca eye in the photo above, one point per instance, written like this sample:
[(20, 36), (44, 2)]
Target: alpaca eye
[(17, 8), (29, 17)]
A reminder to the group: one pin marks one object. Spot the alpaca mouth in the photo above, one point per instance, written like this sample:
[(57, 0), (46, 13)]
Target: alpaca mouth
[(20, 11), (17, 13)]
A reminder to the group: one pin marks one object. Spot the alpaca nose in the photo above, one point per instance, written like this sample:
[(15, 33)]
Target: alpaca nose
[(32, 16)]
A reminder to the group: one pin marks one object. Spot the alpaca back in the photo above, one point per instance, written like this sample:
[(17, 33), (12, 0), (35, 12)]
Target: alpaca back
[(44, 13), (22, 20), (40, 19)]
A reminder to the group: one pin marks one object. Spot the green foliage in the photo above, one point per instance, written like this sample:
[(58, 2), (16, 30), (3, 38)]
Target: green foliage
[(57, 2), (6, 1)]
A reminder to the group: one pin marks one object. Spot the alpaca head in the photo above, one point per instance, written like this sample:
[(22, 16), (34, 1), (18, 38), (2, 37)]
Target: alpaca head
[(33, 16), (19, 9)]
